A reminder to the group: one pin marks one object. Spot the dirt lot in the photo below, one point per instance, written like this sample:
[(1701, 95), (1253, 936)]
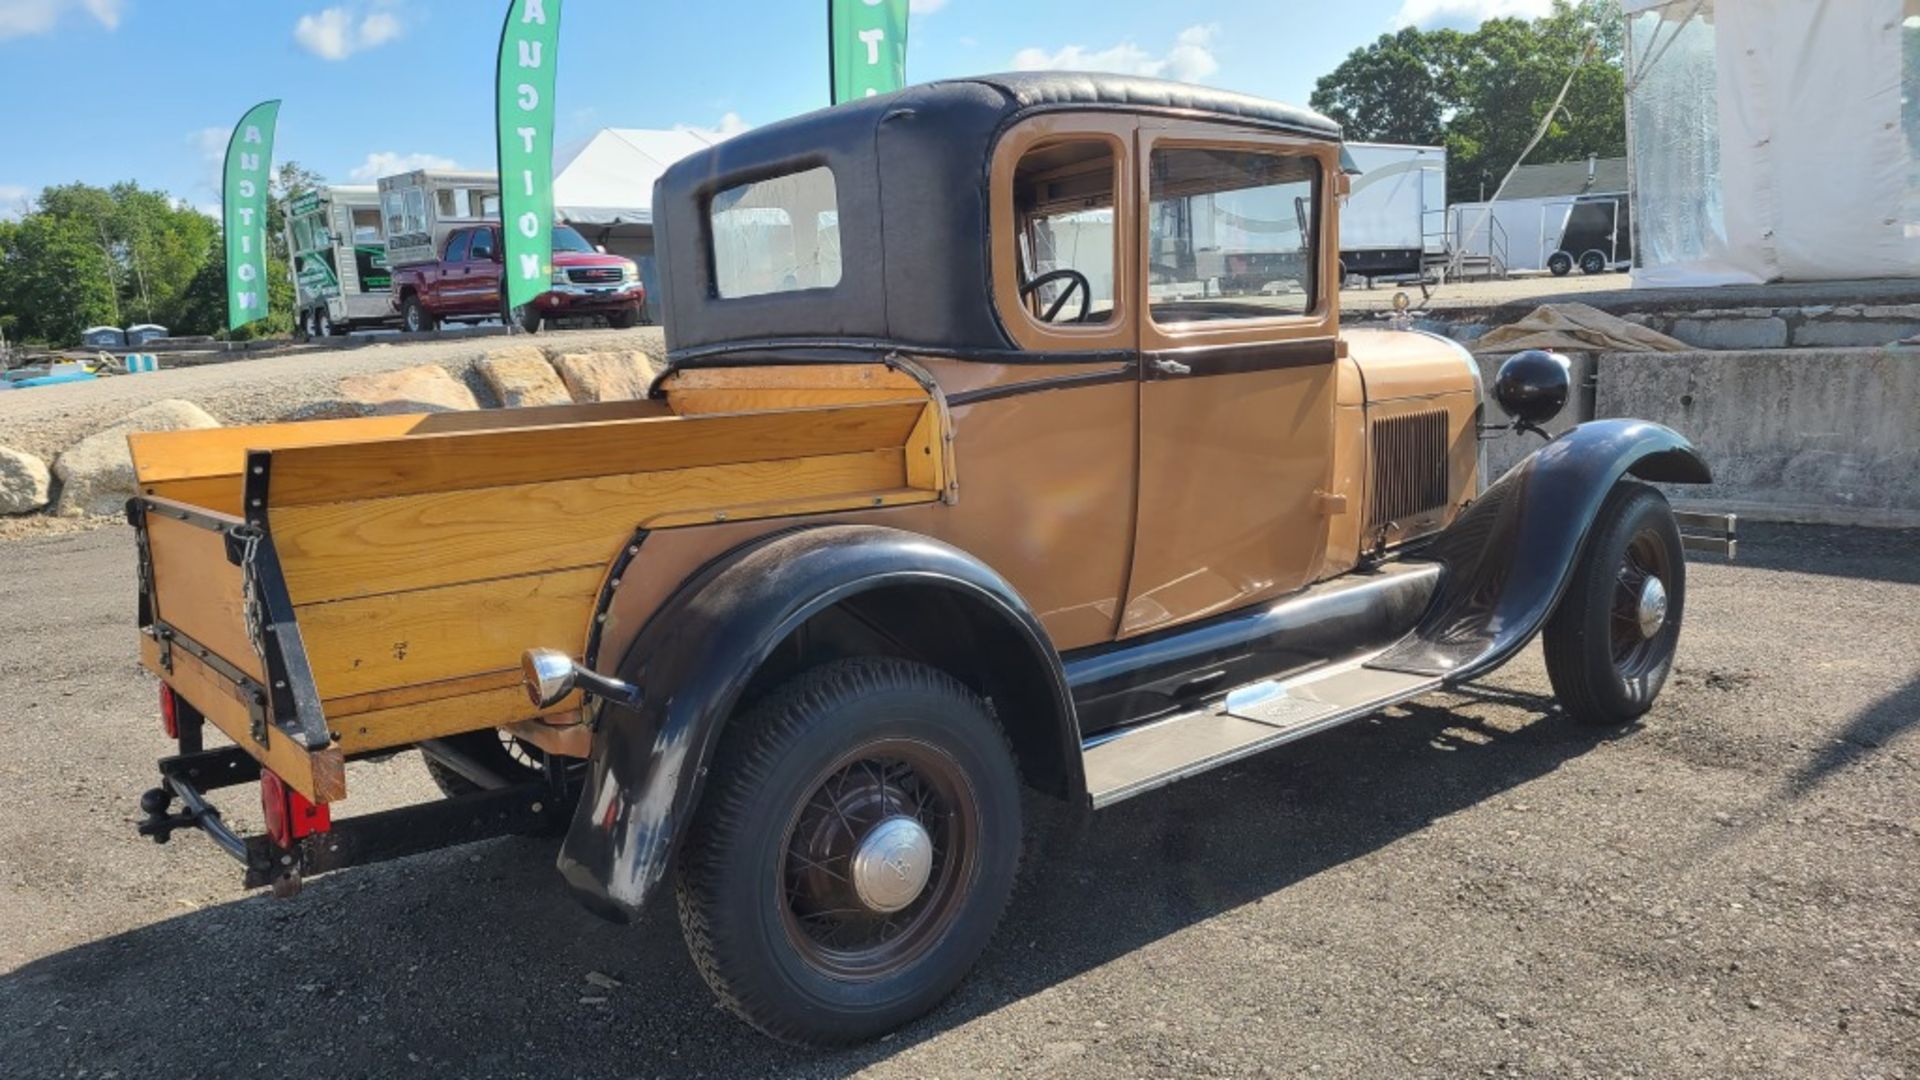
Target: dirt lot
[(1465, 887)]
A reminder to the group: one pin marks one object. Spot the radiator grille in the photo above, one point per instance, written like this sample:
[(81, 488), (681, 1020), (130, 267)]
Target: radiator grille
[(595, 275), (1409, 466)]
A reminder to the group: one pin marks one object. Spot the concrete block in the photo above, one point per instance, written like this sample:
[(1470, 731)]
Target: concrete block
[(1767, 333), (1792, 434), (1851, 333)]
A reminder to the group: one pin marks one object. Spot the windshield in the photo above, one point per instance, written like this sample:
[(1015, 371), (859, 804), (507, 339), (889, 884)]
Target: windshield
[(565, 239)]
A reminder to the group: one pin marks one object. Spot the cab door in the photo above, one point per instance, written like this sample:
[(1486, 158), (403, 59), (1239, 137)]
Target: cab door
[(1238, 331), (484, 270)]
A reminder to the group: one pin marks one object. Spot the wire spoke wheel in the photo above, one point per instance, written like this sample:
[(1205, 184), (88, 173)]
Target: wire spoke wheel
[(877, 859), (1638, 609)]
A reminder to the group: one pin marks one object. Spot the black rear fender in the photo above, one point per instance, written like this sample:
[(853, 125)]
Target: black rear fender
[(762, 614)]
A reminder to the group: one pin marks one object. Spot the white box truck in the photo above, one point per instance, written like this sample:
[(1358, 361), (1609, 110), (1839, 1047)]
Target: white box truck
[(1394, 224)]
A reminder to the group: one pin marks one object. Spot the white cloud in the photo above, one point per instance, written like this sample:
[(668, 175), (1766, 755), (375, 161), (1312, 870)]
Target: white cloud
[(925, 7), (387, 163), (1189, 59), (1466, 14), (730, 125), (14, 201), (338, 32), (22, 18)]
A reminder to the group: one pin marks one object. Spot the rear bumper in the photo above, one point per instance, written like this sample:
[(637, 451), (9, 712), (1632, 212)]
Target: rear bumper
[(521, 810)]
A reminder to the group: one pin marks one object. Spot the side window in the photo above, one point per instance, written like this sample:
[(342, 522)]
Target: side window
[(395, 204), (483, 244), (366, 225), (780, 234), (1231, 234), (416, 211), (457, 247), (1063, 207)]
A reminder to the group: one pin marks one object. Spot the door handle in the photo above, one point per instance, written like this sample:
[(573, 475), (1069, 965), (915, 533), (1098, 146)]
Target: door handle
[(1172, 367)]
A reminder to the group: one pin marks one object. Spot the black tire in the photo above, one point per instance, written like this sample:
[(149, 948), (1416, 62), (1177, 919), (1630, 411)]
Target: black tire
[(505, 757), (323, 323), (1604, 667), (785, 941), (1560, 263), (301, 330), (624, 319), (415, 319), (1594, 262)]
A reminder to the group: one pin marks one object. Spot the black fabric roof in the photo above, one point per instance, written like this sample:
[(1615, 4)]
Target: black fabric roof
[(910, 171)]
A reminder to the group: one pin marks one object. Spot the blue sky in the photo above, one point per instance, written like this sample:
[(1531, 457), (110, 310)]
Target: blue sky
[(107, 90)]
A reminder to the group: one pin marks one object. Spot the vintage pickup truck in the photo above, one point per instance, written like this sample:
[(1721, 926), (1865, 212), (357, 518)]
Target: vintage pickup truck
[(1010, 443)]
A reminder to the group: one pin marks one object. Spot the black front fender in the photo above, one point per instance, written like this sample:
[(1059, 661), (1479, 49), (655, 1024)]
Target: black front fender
[(700, 651), (1509, 555)]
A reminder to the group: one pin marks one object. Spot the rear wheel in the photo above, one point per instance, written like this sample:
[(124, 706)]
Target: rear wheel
[(1610, 644), (1560, 263), (1593, 262), (414, 319), (854, 852), (502, 754), (323, 323)]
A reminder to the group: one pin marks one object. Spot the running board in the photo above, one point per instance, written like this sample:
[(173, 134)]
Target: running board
[(1255, 717)]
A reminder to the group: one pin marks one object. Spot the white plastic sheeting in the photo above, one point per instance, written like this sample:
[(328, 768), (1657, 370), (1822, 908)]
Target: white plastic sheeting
[(1774, 139)]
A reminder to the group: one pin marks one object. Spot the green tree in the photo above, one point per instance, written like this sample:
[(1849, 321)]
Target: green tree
[(1483, 94)]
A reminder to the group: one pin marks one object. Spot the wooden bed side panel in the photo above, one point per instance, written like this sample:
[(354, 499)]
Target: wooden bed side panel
[(441, 716), (320, 775), (702, 391), (221, 494), (340, 550), (429, 464), (197, 591), (177, 455), (432, 635)]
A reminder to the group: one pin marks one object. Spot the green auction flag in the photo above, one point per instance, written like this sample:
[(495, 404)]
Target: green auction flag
[(866, 47), (523, 112), (244, 212)]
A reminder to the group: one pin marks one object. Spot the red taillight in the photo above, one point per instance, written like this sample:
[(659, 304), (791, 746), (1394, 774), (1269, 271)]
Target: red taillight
[(289, 815), (169, 712)]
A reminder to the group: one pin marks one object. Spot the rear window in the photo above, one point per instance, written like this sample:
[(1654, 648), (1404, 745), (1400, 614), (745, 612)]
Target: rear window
[(781, 234)]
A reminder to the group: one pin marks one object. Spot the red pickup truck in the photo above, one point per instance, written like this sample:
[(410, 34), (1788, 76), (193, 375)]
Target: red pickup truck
[(467, 284)]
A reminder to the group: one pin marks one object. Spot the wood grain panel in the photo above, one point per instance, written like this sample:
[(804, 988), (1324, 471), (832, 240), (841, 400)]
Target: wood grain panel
[(793, 377), (430, 635), (342, 550), (354, 705), (220, 494), (320, 775), (198, 590), (443, 716), (749, 399), (426, 464), (175, 455)]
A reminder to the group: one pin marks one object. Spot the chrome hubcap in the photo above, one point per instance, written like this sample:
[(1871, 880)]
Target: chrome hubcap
[(1650, 612), (892, 864)]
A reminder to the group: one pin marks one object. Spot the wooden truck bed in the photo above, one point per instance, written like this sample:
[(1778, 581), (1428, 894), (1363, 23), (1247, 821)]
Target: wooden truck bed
[(401, 564)]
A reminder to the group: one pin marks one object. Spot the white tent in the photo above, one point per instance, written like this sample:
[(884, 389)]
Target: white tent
[(607, 178), (1774, 139), (603, 186)]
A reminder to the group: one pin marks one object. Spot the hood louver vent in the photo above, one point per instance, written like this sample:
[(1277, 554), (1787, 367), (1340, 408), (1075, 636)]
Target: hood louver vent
[(1409, 467)]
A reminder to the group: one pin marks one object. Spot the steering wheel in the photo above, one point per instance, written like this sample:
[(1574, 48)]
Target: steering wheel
[(1074, 279)]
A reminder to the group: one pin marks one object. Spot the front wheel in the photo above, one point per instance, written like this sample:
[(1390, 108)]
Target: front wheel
[(1560, 263), (414, 318), (1609, 645), (853, 853)]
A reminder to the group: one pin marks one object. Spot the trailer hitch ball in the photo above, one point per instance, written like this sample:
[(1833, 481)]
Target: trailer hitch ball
[(550, 675)]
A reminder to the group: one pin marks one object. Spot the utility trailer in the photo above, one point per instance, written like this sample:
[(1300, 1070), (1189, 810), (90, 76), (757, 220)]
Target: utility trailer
[(1394, 224), (338, 245), (421, 207)]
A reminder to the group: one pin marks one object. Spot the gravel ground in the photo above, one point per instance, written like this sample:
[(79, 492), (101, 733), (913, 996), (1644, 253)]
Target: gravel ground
[(46, 420), (1467, 886)]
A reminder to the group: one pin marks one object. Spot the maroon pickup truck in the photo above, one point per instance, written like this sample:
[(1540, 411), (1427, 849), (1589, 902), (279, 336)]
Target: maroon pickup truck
[(466, 284)]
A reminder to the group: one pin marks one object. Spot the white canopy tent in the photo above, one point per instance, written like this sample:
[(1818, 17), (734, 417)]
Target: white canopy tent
[(1774, 139), (603, 186)]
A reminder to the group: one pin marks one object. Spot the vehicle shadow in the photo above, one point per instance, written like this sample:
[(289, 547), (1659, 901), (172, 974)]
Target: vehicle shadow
[(475, 962)]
